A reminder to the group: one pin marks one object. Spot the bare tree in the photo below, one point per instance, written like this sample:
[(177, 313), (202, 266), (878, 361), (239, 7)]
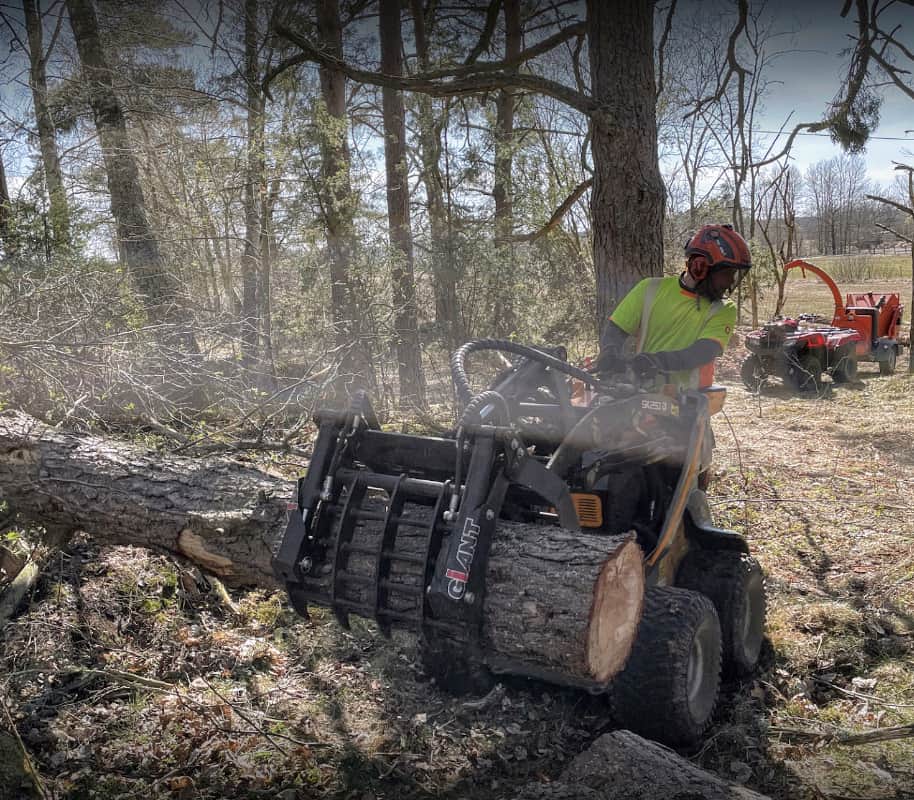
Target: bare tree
[(138, 244), (907, 210), (337, 205), (412, 388), (430, 125), (254, 187), (778, 224), (502, 189), (38, 82)]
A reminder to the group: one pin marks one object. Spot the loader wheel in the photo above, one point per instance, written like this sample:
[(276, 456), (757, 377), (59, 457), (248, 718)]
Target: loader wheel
[(846, 369), (735, 584), (452, 671), (753, 373), (804, 373), (888, 367), (668, 689)]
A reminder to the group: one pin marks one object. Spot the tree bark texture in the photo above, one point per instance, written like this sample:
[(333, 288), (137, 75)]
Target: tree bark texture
[(627, 197), (559, 605), (218, 514), (430, 125), (254, 190), (621, 765), (338, 207), (409, 361), (38, 82), (503, 189)]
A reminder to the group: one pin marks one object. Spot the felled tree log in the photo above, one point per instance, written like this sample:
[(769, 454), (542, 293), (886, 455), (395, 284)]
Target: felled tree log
[(219, 514), (621, 765), (558, 605)]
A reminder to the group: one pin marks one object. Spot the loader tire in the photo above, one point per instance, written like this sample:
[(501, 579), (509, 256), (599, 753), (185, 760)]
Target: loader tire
[(735, 584), (669, 687), (452, 671), (753, 373)]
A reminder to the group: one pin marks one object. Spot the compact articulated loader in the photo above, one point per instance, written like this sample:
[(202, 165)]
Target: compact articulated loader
[(559, 532)]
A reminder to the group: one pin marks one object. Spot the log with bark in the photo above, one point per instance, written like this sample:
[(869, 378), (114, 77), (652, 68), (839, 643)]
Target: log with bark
[(558, 605), (621, 765)]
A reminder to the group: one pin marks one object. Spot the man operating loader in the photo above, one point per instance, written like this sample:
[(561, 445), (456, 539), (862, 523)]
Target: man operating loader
[(680, 324)]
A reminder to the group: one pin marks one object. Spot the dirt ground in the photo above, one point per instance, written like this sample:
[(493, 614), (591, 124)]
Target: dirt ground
[(128, 677)]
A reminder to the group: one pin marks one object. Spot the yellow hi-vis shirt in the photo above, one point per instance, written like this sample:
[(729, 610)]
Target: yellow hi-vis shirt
[(675, 319)]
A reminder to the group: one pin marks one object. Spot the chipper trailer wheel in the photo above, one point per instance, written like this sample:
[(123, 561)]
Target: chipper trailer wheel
[(887, 367), (669, 688), (735, 584)]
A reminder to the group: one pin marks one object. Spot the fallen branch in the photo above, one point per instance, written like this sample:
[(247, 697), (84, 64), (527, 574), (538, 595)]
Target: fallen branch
[(17, 589), (845, 737), (26, 758)]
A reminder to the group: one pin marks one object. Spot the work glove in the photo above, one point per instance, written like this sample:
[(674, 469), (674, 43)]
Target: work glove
[(607, 363), (646, 365)]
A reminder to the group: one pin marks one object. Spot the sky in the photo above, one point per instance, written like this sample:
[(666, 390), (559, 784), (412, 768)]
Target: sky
[(810, 72)]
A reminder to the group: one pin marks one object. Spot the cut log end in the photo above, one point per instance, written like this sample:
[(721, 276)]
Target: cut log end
[(617, 603)]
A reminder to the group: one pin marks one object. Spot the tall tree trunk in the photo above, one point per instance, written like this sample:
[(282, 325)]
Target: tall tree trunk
[(409, 363), (443, 264), (267, 250), (337, 203), (502, 190), (251, 258), (627, 195), (38, 82), (140, 249), (8, 237)]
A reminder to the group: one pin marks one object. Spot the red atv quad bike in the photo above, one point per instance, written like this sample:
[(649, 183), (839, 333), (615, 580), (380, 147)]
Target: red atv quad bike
[(799, 351)]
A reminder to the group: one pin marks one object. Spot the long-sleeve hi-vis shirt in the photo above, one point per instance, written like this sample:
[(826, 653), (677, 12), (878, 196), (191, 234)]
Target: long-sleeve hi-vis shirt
[(664, 317)]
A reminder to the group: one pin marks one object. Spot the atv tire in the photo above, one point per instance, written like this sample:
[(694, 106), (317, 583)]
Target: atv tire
[(735, 584), (887, 367), (845, 370), (668, 689), (454, 673), (804, 373), (753, 373)]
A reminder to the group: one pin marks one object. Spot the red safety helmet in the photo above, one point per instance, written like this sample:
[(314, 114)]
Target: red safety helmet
[(720, 248)]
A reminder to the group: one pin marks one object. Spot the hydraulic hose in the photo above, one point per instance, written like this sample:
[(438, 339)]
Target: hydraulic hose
[(479, 402), (458, 363)]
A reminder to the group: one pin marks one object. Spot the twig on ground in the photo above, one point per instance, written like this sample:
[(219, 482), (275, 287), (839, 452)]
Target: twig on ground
[(26, 758), (493, 697), (846, 737), (255, 727), (223, 594), (868, 697)]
